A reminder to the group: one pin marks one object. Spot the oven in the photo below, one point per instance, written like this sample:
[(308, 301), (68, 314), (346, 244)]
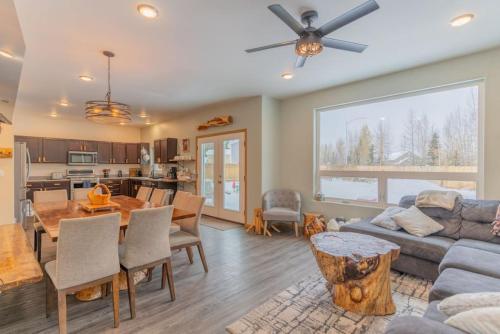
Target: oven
[(81, 178), (77, 158)]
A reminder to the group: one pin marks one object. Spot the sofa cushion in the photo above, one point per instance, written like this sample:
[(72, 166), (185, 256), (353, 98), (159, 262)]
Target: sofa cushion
[(429, 248), (416, 222), (418, 325), (467, 301), (453, 281), (385, 218), (437, 199), (478, 244), (483, 211), (472, 259), (483, 320), (434, 313), (450, 220), (281, 214), (478, 231)]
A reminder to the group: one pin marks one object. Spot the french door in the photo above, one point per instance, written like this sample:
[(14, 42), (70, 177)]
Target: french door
[(221, 175)]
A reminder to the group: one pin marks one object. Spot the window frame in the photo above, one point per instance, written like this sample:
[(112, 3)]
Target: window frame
[(383, 176)]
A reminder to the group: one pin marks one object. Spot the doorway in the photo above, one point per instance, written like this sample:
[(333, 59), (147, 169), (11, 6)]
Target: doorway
[(221, 168)]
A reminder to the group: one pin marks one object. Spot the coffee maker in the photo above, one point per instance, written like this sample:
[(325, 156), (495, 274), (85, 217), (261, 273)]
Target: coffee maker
[(172, 173)]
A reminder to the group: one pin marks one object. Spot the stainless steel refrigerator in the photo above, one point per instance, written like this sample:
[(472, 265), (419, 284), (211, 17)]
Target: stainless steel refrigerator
[(22, 168)]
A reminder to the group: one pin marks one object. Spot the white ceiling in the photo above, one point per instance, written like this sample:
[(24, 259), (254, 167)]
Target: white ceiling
[(193, 53)]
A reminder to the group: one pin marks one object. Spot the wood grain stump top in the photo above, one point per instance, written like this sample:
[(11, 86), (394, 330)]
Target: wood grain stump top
[(357, 267)]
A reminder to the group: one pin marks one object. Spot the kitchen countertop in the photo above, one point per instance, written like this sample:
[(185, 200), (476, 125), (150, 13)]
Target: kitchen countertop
[(111, 177)]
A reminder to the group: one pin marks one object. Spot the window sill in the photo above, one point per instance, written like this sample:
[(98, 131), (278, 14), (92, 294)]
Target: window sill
[(350, 203)]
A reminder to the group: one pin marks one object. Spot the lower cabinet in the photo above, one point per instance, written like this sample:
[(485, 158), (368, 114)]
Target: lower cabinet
[(46, 185), (116, 186)]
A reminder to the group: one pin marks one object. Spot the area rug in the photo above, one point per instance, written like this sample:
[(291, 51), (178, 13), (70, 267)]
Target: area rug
[(220, 225), (307, 307)]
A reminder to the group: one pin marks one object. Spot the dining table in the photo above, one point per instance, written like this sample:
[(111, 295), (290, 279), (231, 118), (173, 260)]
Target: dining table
[(49, 215)]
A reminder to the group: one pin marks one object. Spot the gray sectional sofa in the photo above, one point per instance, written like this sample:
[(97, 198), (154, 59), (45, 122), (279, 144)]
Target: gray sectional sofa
[(463, 257)]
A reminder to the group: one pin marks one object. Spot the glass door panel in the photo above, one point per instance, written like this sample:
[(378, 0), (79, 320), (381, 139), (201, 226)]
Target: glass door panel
[(207, 183), (231, 177)]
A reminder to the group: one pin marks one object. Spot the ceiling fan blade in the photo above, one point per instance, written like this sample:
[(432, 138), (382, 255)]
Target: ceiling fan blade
[(271, 46), (285, 16), (348, 17), (300, 61), (343, 45)]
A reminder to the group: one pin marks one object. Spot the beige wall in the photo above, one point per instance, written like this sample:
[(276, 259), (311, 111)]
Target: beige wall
[(246, 114), (297, 115), (6, 178), (270, 143)]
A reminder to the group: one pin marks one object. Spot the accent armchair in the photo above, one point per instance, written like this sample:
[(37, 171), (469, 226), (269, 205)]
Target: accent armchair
[(281, 205)]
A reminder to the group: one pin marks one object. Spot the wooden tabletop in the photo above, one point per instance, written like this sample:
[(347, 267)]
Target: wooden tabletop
[(49, 214), (18, 264)]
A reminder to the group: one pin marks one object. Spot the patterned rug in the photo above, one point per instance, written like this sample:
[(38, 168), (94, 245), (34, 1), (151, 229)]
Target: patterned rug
[(307, 307)]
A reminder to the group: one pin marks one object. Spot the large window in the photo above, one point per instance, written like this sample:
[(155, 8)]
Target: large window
[(380, 150)]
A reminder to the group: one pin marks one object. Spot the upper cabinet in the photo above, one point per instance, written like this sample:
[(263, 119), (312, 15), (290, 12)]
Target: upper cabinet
[(104, 152), (55, 150), (51, 150), (165, 150), (119, 153)]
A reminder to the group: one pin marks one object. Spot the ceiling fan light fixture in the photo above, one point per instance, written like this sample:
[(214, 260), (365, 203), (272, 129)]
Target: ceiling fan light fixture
[(287, 76), (86, 78), (107, 111), (308, 46)]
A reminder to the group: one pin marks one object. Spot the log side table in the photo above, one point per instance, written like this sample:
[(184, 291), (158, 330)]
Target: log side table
[(357, 270), (313, 223)]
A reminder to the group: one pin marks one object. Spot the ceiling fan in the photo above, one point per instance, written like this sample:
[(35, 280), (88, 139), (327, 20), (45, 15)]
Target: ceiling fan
[(312, 40)]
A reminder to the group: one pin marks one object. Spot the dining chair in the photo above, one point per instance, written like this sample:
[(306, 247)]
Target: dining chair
[(80, 194), (144, 193), (180, 198), (189, 235), (147, 245), (159, 197), (87, 256), (45, 196)]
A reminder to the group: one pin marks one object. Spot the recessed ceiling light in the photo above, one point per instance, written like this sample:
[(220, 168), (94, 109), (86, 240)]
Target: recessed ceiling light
[(143, 115), (147, 11), (461, 20), (6, 54), (287, 76), (148, 122), (53, 114), (64, 103), (86, 78), (122, 123)]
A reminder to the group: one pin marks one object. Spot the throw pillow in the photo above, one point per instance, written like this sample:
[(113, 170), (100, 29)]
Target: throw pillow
[(468, 301), (495, 230), (483, 320), (437, 199), (385, 218), (415, 222)]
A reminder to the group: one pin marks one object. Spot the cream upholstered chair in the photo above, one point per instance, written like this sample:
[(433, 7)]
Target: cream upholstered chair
[(281, 205), (87, 255), (44, 197), (189, 235), (80, 194), (147, 245), (159, 197), (180, 198), (144, 193)]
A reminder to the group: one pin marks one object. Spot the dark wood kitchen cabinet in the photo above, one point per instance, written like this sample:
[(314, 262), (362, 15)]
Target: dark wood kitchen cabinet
[(34, 146), (46, 185), (104, 152), (119, 153), (82, 145), (75, 145), (55, 150), (133, 153), (165, 150)]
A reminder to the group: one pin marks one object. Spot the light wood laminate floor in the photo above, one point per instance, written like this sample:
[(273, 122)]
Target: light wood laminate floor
[(244, 271)]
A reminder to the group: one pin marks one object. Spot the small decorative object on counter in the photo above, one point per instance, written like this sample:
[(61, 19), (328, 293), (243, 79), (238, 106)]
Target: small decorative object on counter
[(257, 224), (105, 172), (319, 197), (120, 173), (313, 223)]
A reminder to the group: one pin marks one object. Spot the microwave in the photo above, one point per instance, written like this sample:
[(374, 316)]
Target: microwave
[(77, 158)]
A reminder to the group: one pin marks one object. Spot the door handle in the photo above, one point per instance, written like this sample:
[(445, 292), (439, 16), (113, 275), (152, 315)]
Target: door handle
[(220, 179)]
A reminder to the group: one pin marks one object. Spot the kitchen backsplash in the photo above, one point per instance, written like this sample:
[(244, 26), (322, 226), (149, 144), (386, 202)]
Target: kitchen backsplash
[(47, 169)]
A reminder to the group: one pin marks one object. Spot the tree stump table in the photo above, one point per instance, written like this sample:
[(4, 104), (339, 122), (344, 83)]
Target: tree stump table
[(313, 223), (357, 270)]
